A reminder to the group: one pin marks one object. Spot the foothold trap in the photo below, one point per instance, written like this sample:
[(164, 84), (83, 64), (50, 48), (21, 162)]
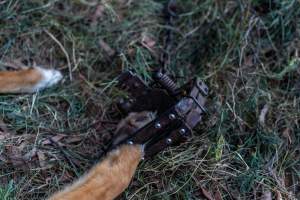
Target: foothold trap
[(178, 109)]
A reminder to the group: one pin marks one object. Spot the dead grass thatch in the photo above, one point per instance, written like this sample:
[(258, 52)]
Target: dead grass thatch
[(246, 51)]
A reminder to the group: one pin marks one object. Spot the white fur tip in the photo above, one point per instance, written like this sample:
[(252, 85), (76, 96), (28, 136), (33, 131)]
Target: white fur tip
[(50, 78), (143, 146)]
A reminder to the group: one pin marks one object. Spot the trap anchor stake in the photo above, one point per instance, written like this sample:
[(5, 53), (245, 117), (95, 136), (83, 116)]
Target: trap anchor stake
[(178, 110)]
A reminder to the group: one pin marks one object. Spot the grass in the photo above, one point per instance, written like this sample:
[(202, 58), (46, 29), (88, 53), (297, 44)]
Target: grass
[(246, 51), (6, 193)]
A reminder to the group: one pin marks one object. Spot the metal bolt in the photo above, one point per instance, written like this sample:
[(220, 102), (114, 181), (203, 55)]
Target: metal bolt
[(159, 74), (130, 142), (206, 90), (172, 116), (182, 131), (169, 140), (157, 125)]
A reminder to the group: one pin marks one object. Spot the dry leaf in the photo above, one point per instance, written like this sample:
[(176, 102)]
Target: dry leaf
[(131, 51), (218, 195), (288, 180), (42, 159), (29, 155), (3, 127), (4, 132), (4, 136), (267, 195), (148, 43), (98, 14), (278, 195), (262, 116), (287, 135), (66, 176), (206, 193), (22, 145), (56, 138), (73, 139), (107, 49), (230, 7), (3, 158), (14, 155), (248, 62)]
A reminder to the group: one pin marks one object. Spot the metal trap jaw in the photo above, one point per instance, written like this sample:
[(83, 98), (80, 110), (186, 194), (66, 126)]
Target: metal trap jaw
[(178, 109)]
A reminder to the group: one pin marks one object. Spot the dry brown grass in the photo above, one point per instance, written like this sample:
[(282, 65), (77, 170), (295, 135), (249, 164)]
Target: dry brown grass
[(246, 51)]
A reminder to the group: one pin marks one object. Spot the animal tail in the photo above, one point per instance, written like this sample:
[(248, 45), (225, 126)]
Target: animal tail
[(28, 80)]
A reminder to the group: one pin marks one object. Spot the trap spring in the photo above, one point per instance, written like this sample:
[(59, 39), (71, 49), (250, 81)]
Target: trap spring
[(179, 109)]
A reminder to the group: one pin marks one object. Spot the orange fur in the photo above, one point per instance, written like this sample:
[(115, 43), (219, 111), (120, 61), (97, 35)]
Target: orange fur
[(28, 80), (19, 81), (107, 179)]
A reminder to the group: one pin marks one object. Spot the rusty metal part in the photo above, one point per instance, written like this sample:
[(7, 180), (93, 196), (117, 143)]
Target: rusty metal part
[(179, 109), (165, 81), (140, 95)]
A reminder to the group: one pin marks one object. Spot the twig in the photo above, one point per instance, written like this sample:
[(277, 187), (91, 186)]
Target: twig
[(64, 154), (63, 50), (170, 14)]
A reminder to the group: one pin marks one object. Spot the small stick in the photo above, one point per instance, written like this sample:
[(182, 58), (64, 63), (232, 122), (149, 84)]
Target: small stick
[(63, 50), (64, 154)]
